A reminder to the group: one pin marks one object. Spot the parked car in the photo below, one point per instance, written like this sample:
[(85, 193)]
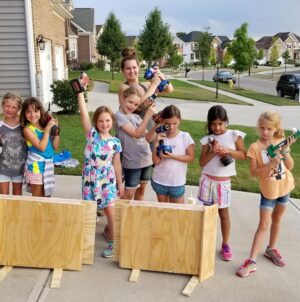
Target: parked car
[(289, 84), (224, 76)]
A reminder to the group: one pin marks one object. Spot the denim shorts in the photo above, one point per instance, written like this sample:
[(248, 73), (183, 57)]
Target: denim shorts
[(133, 177), (269, 204), (173, 192), (16, 179)]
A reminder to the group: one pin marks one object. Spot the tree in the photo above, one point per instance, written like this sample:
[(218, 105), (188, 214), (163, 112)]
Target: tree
[(260, 54), (242, 50), (213, 57), (227, 59), (285, 56), (274, 55), (175, 59), (155, 37), (112, 40), (203, 49), (181, 35)]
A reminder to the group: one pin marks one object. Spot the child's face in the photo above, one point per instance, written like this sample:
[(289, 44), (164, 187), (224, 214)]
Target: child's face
[(173, 124), (33, 115), (218, 127), (10, 108), (131, 70), (104, 123), (266, 130), (130, 103)]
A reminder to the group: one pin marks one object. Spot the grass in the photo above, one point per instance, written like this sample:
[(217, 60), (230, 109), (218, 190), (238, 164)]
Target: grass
[(263, 97), (72, 139), (182, 90)]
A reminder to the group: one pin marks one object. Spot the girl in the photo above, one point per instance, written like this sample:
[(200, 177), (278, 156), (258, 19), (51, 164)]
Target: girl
[(39, 168), (169, 174), (136, 156), (101, 175), (13, 150), (275, 181), (220, 148)]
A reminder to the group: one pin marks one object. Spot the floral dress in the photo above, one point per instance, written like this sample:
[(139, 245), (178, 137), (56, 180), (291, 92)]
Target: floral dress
[(98, 175)]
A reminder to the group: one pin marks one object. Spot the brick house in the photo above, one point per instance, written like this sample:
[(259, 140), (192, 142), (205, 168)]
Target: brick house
[(29, 26)]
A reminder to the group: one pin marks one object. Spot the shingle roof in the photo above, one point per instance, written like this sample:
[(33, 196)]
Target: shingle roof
[(193, 36), (84, 17), (264, 42)]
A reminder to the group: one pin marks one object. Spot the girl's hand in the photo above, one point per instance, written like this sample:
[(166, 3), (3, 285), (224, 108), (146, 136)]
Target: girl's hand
[(274, 161), (50, 124), (151, 110), (121, 190), (156, 79), (165, 155), (290, 140), (160, 136)]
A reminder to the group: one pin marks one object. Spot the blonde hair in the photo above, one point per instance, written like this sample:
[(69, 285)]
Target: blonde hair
[(274, 118), (131, 91), (13, 97)]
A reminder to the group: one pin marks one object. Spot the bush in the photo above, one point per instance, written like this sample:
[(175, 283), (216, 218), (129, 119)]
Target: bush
[(86, 65), (100, 64), (297, 63), (64, 96)]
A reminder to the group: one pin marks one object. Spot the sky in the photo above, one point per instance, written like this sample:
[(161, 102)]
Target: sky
[(223, 17)]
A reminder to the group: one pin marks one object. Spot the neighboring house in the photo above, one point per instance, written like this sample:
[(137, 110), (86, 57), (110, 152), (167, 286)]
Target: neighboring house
[(131, 41), (84, 22), (284, 41), (27, 26), (190, 41)]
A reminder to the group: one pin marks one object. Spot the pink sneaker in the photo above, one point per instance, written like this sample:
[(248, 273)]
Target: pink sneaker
[(226, 253)]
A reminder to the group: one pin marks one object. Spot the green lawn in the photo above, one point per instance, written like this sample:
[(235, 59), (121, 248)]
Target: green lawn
[(72, 139), (182, 90), (263, 97)]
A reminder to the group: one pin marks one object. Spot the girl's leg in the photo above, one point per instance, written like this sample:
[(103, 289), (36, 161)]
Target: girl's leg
[(109, 212), (177, 200), (275, 226), (129, 193), (162, 198), (17, 188), (37, 190), (225, 224), (264, 221), (4, 188), (140, 191)]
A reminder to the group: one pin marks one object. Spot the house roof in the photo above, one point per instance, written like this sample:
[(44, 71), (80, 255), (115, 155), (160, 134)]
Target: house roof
[(84, 17), (193, 36), (223, 38), (264, 42), (130, 40)]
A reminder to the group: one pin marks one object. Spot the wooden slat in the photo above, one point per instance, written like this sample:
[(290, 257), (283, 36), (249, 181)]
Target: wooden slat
[(208, 242), (89, 231), (4, 271), (194, 281), (56, 278), (134, 276)]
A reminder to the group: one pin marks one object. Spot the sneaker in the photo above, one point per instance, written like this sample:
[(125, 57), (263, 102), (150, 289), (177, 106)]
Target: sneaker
[(108, 252), (249, 266), (226, 253), (106, 233), (274, 255)]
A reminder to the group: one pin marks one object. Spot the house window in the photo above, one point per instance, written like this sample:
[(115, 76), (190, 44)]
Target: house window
[(288, 45)]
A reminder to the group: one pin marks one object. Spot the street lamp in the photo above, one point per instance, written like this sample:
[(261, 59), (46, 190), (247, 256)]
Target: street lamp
[(217, 82)]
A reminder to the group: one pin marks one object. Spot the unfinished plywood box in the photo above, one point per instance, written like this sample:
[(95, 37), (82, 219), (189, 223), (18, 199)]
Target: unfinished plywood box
[(166, 237), (46, 232)]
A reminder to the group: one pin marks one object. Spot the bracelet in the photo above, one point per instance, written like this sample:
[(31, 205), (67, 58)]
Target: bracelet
[(286, 151)]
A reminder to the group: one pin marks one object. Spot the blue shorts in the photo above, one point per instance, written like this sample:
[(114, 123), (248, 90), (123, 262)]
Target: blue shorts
[(133, 177), (269, 204), (173, 192), (16, 179)]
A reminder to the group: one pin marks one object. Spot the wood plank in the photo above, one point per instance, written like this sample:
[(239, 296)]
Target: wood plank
[(194, 281), (160, 239), (4, 271), (208, 242), (89, 231), (134, 276), (45, 234), (56, 278), (39, 286)]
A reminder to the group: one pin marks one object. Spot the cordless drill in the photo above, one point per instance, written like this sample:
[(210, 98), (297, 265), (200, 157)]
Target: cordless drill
[(80, 84), (162, 148), (149, 74), (225, 158)]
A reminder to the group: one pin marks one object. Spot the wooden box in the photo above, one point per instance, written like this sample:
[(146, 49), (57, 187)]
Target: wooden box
[(46, 232), (166, 237)]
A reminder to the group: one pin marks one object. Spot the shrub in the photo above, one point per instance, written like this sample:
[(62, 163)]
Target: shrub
[(86, 65), (64, 96), (100, 64)]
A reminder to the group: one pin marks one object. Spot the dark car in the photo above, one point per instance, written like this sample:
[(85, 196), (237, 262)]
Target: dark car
[(224, 76), (288, 84)]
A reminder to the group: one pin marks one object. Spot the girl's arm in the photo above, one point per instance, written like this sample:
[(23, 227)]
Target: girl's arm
[(240, 152), (155, 158), (151, 134), (256, 171), (116, 161), (120, 92), (35, 141), (84, 115), (188, 157), (140, 131), (206, 155)]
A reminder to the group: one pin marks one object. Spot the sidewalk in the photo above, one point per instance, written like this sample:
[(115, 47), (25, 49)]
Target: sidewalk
[(105, 281)]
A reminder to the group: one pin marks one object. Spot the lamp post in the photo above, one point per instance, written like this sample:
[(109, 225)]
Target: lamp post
[(217, 82)]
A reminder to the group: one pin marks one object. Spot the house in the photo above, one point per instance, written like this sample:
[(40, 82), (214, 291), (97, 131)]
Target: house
[(32, 46), (83, 24), (284, 41)]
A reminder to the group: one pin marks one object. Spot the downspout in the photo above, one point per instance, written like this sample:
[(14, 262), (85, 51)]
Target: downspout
[(30, 46)]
